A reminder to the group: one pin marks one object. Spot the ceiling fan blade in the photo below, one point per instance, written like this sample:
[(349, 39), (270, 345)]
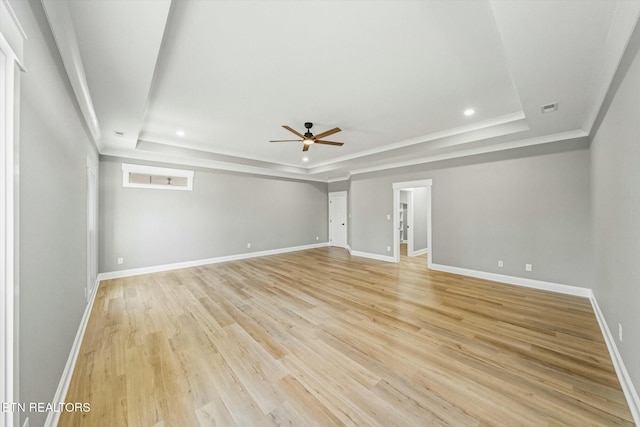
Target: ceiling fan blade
[(293, 131), (319, 141), (327, 133), (286, 140), (305, 147)]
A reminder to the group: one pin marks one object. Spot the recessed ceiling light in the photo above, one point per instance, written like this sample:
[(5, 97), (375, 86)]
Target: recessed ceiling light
[(180, 133), (469, 112), (305, 159)]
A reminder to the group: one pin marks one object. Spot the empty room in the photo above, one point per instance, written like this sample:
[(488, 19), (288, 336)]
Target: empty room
[(314, 213)]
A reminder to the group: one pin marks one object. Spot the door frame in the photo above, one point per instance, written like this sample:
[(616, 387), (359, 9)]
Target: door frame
[(409, 220), (92, 222), (10, 68), (397, 186), (346, 214)]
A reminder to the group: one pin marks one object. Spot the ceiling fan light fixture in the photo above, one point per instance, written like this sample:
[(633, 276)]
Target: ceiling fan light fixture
[(308, 138)]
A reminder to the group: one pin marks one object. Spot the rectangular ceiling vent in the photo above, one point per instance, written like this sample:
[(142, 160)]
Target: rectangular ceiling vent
[(549, 108)]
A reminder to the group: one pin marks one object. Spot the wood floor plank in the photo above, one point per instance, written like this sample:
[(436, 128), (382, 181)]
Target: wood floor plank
[(321, 338)]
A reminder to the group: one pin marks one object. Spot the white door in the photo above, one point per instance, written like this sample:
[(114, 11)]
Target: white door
[(338, 219)]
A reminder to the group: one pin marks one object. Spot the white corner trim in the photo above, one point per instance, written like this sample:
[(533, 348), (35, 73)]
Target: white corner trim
[(378, 257), (175, 266), (623, 376), (63, 387), (513, 280)]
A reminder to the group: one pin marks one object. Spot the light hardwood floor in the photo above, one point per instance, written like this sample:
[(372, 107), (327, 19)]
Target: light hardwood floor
[(322, 338)]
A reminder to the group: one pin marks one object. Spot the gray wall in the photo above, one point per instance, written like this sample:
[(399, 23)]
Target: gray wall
[(522, 206), (615, 166), (223, 213), (339, 186), (420, 235), (52, 214)]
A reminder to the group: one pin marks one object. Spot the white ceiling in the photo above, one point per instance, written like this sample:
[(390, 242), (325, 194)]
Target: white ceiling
[(395, 76)]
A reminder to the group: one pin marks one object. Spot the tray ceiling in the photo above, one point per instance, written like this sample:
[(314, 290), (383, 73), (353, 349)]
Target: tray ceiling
[(209, 83)]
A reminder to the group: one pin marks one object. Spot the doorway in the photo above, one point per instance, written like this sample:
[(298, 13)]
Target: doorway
[(412, 218), (338, 219)]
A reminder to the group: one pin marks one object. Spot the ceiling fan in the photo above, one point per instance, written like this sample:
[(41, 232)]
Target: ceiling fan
[(308, 138)]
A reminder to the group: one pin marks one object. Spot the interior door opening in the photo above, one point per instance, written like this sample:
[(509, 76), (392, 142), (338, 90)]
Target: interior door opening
[(412, 219)]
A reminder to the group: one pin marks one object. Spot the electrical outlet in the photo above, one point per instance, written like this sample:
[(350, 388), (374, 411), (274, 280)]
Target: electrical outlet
[(248, 245), (317, 237), (528, 267), (388, 248), (500, 263), (388, 216), (620, 331), (120, 260)]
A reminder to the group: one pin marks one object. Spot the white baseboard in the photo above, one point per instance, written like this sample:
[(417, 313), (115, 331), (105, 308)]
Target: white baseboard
[(378, 257), (186, 264), (63, 387), (628, 388), (513, 280), (420, 252), (623, 376)]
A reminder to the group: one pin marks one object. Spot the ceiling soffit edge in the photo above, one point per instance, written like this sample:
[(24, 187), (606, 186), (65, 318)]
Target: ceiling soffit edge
[(548, 139), (625, 26)]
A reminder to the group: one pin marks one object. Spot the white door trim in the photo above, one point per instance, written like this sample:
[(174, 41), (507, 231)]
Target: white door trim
[(410, 223), (397, 186), (9, 94), (92, 224), (346, 219)]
